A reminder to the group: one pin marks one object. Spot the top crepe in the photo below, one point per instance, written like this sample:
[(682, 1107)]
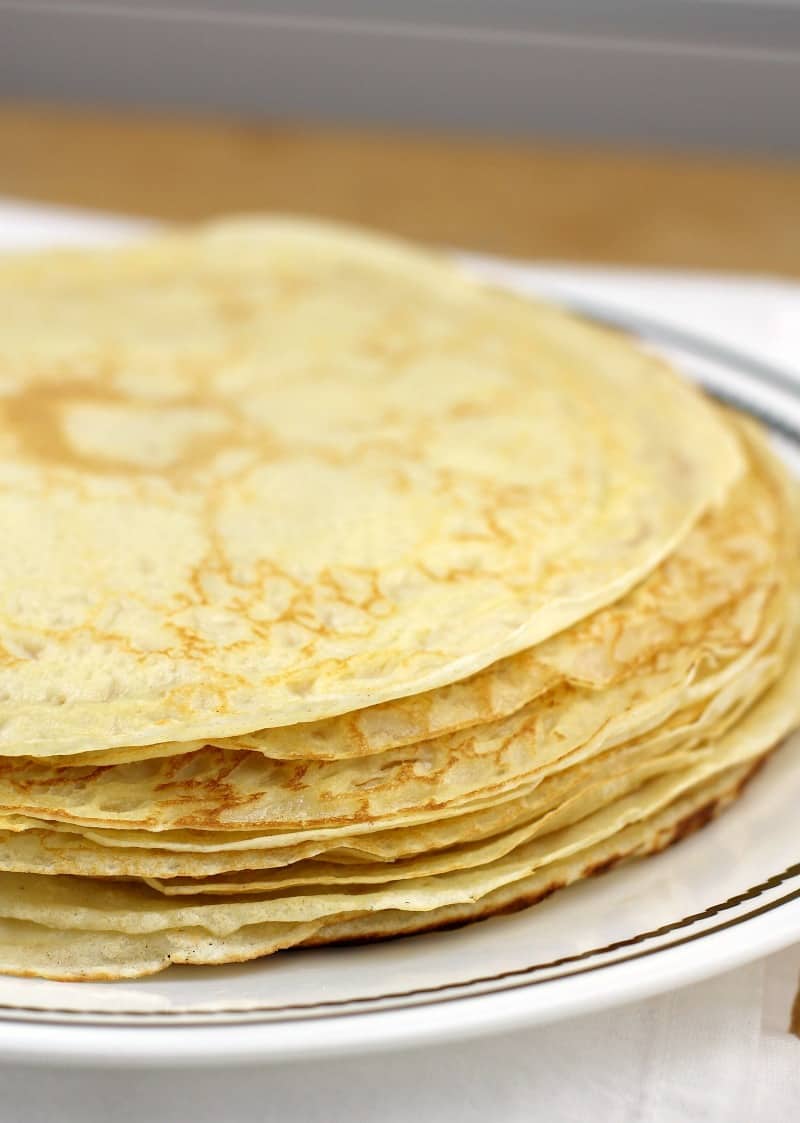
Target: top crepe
[(275, 472)]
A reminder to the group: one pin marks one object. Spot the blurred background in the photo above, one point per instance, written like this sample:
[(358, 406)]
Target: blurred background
[(658, 132)]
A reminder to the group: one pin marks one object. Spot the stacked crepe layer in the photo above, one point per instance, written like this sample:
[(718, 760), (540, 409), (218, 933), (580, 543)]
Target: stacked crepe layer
[(350, 599)]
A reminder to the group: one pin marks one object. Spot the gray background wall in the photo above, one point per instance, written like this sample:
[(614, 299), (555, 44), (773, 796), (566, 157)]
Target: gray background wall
[(715, 73)]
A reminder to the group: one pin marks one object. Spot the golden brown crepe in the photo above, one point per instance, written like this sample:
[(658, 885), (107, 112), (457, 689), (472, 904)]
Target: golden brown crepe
[(348, 598)]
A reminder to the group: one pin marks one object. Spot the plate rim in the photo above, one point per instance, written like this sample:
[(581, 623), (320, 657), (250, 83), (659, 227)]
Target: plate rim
[(424, 997), (492, 1013)]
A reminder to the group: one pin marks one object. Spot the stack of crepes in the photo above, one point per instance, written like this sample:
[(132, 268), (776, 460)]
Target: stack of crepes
[(344, 597)]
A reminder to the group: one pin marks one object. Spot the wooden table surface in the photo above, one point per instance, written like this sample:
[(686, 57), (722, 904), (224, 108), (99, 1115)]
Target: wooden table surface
[(519, 198)]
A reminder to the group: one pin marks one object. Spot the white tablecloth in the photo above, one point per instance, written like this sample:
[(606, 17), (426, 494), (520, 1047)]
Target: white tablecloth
[(717, 1052)]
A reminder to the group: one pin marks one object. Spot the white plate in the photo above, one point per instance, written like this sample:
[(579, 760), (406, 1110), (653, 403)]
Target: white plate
[(726, 895)]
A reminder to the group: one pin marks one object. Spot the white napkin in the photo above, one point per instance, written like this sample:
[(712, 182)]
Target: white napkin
[(717, 1052)]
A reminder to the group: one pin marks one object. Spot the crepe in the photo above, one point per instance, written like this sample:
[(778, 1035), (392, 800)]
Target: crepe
[(69, 941), (62, 902), (555, 799), (274, 472), (348, 598)]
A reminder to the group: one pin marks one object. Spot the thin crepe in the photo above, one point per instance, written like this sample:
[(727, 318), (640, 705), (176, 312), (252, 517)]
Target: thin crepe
[(274, 472)]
